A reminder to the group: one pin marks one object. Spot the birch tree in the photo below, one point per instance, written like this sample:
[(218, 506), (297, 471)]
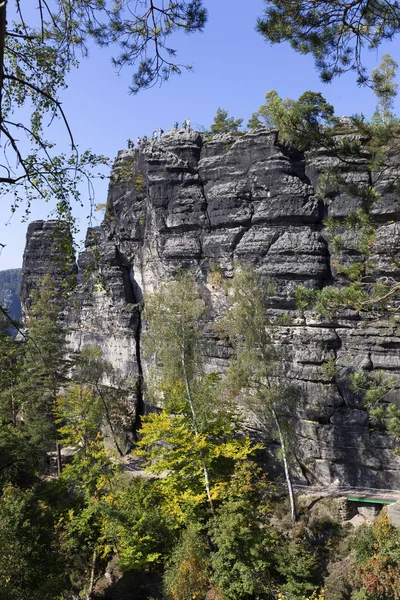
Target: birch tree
[(195, 433), (258, 366)]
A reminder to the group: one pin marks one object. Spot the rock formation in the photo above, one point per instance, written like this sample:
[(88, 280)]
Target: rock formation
[(190, 203), (48, 251), (10, 283)]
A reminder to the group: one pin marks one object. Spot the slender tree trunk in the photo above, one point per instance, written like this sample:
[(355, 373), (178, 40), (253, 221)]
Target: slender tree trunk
[(13, 408), (92, 573), (59, 458), (3, 24), (58, 444), (108, 418), (286, 467), (195, 428)]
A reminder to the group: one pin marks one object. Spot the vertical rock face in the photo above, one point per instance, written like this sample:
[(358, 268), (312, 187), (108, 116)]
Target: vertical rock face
[(10, 283), (187, 203), (44, 255)]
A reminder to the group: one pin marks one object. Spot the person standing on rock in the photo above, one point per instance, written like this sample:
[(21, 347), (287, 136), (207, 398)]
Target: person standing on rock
[(176, 125), (131, 145), (139, 141), (188, 124)]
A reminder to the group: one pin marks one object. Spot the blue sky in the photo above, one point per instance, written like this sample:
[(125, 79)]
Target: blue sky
[(233, 68)]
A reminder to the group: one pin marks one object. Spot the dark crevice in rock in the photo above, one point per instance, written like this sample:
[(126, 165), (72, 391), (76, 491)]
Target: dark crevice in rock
[(204, 195), (138, 300), (297, 161), (140, 406), (134, 297)]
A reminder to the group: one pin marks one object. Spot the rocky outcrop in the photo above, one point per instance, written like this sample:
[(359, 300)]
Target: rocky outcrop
[(10, 283), (190, 203), (48, 251)]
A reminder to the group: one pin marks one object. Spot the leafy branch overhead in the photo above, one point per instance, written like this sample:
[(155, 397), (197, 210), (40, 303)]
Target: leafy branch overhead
[(334, 33), (39, 45)]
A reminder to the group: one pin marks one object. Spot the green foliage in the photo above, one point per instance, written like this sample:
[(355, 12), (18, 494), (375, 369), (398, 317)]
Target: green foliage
[(255, 121), (329, 369), (79, 416), (188, 571), (175, 316), (385, 88), (257, 361), (30, 564), (112, 407), (301, 123), (297, 563), (335, 33), (44, 369), (374, 389), (255, 369), (134, 526), (193, 439), (87, 481), (244, 540), (173, 450), (377, 573), (330, 300), (11, 357), (224, 124), (20, 460)]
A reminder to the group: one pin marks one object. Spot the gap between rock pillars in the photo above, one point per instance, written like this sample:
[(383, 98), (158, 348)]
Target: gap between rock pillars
[(138, 300)]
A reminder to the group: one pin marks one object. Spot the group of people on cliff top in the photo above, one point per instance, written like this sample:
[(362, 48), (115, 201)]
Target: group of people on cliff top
[(185, 125), (156, 135)]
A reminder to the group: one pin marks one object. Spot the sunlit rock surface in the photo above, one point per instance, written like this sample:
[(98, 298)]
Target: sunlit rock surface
[(188, 203)]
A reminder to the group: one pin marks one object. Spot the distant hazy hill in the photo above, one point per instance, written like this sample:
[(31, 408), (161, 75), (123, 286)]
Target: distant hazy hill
[(10, 283)]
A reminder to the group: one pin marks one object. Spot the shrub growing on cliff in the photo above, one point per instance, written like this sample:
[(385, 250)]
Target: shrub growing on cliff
[(224, 124)]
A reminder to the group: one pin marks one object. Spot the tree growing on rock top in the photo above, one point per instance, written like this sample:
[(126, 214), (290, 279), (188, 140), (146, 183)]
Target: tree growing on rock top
[(224, 124), (300, 122), (385, 88)]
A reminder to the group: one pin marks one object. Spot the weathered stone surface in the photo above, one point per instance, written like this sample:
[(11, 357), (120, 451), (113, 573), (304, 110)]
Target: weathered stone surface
[(190, 203), (43, 256), (393, 512), (10, 283)]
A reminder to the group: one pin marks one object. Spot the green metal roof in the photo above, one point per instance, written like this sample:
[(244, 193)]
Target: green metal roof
[(371, 501)]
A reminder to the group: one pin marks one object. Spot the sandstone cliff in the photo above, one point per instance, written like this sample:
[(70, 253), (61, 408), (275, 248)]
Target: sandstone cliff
[(10, 283), (188, 203)]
